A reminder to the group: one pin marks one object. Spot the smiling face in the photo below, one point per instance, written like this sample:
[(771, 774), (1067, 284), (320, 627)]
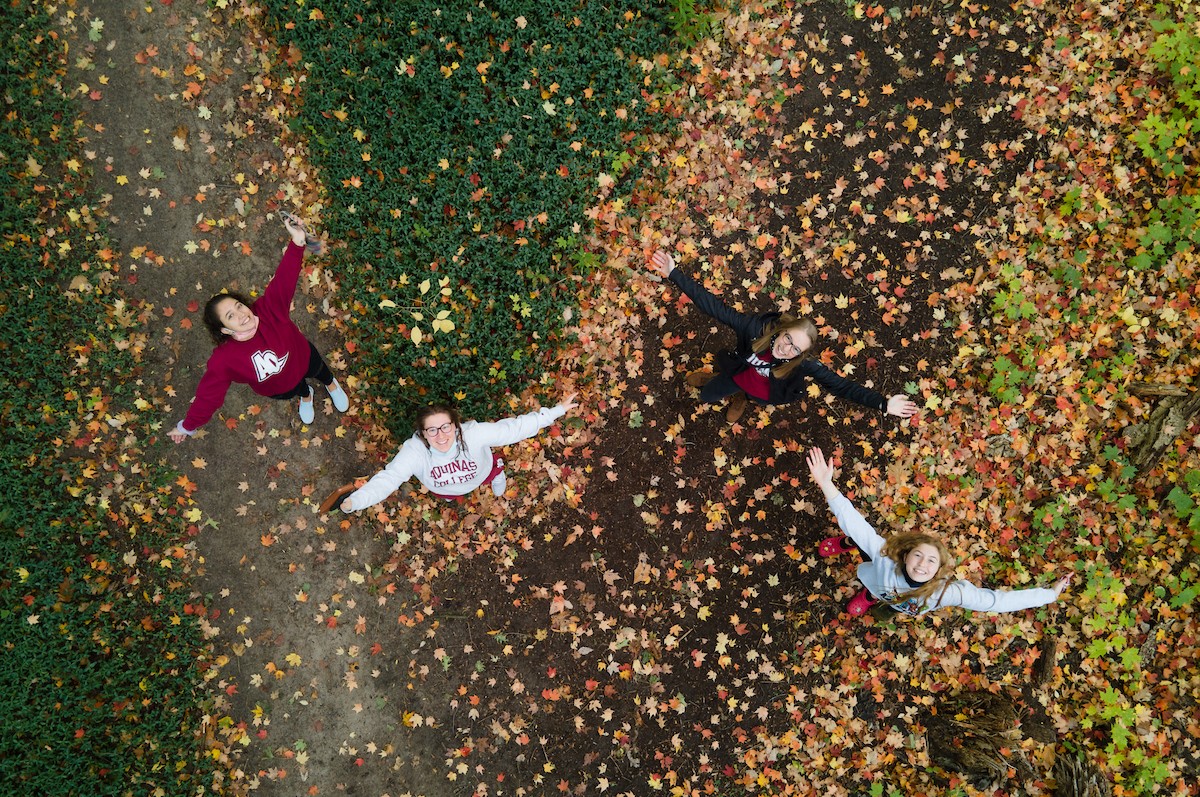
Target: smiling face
[(237, 320), (922, 563), (791, 344), (439, 431)]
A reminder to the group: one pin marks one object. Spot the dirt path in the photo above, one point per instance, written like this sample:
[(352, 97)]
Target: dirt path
[(313, 661)]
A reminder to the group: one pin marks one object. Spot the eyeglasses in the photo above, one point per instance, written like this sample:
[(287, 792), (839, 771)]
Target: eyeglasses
[(786, 339), (434, 431)]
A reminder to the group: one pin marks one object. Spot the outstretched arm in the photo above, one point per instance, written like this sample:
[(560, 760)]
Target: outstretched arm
[(982, 599), (512, 430), (281, 289), (387, 481), (849, 519), (664, 264)]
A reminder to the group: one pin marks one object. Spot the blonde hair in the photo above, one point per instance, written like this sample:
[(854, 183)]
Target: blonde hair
[(782, 325), (898, 548)]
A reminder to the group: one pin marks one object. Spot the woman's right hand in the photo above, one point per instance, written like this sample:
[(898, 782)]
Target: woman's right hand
[(178, 434), (820, 470), (662, 263), (346, 506)]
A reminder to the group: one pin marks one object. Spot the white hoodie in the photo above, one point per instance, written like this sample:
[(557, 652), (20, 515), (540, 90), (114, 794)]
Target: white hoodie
[(459, 470), (885, 579)]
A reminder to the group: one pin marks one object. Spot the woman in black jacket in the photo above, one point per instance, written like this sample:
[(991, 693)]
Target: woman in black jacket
[(769, 363)]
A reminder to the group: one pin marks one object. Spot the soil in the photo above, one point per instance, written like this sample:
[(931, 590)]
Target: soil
[(502, 646)]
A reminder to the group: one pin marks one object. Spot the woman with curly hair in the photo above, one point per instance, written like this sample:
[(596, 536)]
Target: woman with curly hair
[(770, 362), (911, 573)]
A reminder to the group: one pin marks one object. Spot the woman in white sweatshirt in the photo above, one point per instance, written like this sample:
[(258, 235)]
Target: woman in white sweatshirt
[(912, 572), (452, 457)]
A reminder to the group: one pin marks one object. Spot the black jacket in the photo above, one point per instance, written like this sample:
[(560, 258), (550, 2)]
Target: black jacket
[(750, 328)]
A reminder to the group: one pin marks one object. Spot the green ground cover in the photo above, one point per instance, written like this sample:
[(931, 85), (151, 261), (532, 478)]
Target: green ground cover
[(460, 146), (99, 671)]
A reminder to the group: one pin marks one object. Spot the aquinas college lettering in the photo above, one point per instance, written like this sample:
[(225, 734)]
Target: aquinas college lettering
[(459, 471), (267, 364)]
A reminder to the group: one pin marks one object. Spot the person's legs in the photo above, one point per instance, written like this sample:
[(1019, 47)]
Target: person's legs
[(721, 386), (836, 546), (497, 478), (305, 393), (861, 603), (318, 369), (300, 390)]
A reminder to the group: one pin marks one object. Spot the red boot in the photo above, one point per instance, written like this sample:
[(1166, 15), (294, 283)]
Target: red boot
[(860, 604), (835, 546)]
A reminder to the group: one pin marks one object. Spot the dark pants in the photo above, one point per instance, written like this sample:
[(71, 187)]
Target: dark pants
[(317, 369), (721, 386)]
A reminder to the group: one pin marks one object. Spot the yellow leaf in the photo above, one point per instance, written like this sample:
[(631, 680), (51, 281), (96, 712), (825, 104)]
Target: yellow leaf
[(424, 286), (417, 336), (842, 302), (294, 659), (199, 463)]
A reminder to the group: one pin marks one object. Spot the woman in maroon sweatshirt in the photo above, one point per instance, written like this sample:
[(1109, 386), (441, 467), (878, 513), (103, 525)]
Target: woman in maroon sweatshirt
[(258, 344)]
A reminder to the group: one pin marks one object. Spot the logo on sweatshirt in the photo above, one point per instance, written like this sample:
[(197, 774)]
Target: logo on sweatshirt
[(267, 364), (460, 471)]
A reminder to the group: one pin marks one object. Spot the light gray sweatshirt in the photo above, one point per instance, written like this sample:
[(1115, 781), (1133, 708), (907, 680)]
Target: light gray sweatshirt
[(459, 470), (885, 579)]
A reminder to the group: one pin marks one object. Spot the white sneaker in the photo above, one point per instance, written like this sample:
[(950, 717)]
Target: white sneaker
[(307, 412), (341, 402), (499, 484)]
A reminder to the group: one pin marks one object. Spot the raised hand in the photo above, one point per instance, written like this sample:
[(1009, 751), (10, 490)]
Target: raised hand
[(662, 263), (901, 406), (820, 470)]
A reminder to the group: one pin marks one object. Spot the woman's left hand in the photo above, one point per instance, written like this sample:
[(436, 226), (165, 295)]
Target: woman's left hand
[(901, 406), (1062, 584), (568, 402), (295, 228)]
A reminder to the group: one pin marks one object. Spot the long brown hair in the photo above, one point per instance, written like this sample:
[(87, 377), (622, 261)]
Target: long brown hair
[(433, 409), (898, 547), (784, 324), (214, 324)]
